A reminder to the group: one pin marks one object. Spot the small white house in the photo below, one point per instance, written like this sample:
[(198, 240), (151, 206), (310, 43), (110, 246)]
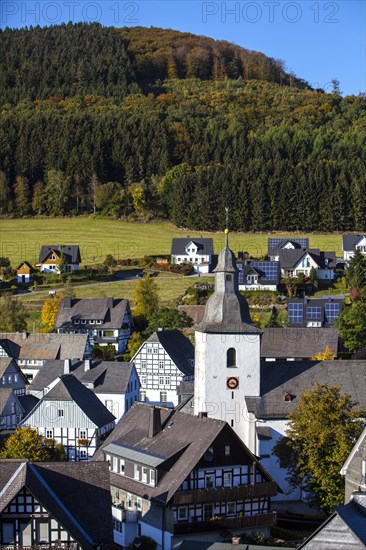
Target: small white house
[(161, 364), (57, 258), (72, 415), (351, 243), (293, 262), (196, 252)]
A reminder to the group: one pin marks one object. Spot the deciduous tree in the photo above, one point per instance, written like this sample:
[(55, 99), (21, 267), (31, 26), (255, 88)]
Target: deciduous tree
[(167, 318), (145, 297), (352, 325), (13, 316), (49, 311), (25, 442)]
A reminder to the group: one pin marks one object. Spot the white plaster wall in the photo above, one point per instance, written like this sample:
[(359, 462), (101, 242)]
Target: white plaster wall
[(211, 394), (156, 534)]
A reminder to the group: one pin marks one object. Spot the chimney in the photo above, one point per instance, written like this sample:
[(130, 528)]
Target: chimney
[(67, 366), (87, 365), (154, 422)]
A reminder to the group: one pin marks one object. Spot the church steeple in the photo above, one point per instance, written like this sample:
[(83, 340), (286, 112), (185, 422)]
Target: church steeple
[(227, 311)]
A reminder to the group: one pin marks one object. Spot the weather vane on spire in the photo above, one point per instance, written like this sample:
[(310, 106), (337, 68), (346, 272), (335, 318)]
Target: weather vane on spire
[(227, 227)]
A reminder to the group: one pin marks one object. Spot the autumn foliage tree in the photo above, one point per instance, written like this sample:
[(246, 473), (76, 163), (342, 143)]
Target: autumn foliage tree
[(145, 297), (327, 355), (49, 311), (322, 430), (25, 442)]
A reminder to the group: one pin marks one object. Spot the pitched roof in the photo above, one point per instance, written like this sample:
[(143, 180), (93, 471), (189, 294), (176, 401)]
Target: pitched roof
[(4, 364), (361, 440), (295, 377), (24, 262), (183, 436), (106, 376), (276, 244), (55, 485), (349, 531), (71, 252), (177, 346), (313, 309), (70, 389), (204, 245), (349, 242), (268, 272), (109, 310), (289, 258), (299, 342), (28, 402), (196, 313), (44, 346), (5, 394)]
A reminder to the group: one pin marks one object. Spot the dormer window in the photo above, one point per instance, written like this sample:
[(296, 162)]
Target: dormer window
[(289, 397), (76, 321), (152, 477), (83, 321)]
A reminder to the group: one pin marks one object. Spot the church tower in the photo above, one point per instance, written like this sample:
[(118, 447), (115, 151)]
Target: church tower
[(227, 353)]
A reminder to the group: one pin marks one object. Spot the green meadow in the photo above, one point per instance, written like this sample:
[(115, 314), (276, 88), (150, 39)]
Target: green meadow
[(21, 239)]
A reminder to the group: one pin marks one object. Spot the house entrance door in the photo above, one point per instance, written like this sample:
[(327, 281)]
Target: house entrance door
[(207, 512)]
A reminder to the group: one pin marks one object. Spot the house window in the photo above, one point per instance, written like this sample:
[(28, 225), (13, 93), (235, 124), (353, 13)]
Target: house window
[(161, 365), (115, 464), (163, 397), (143, 380), (83, 321), (49, 434), (9, 378), (82, 434), (231, 358), (60, 412), (143, 365), (136, 473), (129, 500), (227, 479), (15, 378), (149, 350), (227, 450), (152, 477), (142, 395), (161, 380), (227, 277), (231, 509), (122, 466), (83, 454), (155, 350), (209, 481), (139, 504), (144, 475), (182, 513), (167, 380)]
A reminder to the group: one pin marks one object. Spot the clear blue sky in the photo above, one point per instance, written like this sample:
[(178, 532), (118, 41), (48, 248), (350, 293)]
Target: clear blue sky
[(318, 40)]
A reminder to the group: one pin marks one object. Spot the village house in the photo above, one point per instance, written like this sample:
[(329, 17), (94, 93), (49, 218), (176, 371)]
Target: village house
[(70, 414), (351, 243), (13, 408), (196, 251), (55, 504), (296, 261), (173, 474), (115, 384), (24, 272), (259, 275), (297, 343), (107, 321), (162, 362), (317, 312), (31, 350), (60, 258), (277, 244)]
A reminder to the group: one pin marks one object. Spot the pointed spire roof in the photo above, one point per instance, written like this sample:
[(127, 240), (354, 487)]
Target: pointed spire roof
[(227, 311)]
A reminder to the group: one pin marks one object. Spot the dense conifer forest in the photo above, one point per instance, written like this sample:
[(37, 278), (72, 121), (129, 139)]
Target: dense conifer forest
[(156, 123)]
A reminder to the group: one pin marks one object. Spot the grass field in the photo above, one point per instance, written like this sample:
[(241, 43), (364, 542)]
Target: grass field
[(21, 239)]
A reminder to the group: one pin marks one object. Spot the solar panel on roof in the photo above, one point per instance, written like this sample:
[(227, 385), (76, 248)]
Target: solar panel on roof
[(276, 241), (269, 270), (314, 312), (332, 311), (295, 313)]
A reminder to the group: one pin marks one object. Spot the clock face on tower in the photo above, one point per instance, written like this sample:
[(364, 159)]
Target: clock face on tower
[(232, 383)]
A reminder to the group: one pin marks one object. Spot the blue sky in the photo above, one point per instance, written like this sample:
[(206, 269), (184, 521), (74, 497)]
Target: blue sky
[(318, 40)]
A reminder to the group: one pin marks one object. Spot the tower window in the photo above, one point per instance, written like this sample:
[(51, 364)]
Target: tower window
[(231, 358), (228, 277)]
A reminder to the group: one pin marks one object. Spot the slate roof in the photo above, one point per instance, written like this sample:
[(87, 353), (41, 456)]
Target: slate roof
[(289, 258), (71, 252), (28, 402), (308, 314), (70, 389), (353, 527), (109, 310), (275, 245), (184, 439), (55, 485), (349, 241), (45, 346), (5, 393), (4, 364), (299, 342), (106, 376), (356, 447), (177, 346), (295, 377), (263, 270), (204, 245)]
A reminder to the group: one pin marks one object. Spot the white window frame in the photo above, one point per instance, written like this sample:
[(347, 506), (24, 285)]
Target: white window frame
[(182, 514), (228, 482), (136, 472), (144, 474)]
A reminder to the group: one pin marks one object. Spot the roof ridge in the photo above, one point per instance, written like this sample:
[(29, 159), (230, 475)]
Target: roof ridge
[(13, 477)]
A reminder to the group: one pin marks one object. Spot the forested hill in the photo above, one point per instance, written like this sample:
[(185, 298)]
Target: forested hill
[(67, 60), (89, 124)]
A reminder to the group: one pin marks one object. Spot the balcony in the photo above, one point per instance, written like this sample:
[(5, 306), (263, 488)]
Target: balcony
[(225, 494), (121, 514), (244, 522)]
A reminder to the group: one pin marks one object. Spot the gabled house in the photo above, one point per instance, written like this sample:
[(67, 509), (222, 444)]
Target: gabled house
[(55, 504), (24, 272), (53, 259), (351, 243), (317, 312), (278, 244), (296, 261), (72, 415), (31, 350), (196, 251), (11, 376), (105, 320), (161, 363), (175, 474), (354, 469), (13, 408), (294, 344), (115, 384), (258, 275)]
